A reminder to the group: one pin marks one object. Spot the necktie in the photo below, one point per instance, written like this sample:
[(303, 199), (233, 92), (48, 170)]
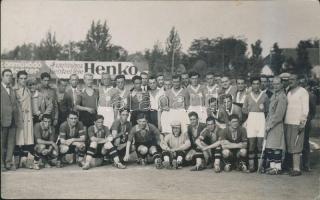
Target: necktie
[(8, 89)]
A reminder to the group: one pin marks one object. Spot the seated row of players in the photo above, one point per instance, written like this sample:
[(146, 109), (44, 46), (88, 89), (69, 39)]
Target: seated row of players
[(203, 143)]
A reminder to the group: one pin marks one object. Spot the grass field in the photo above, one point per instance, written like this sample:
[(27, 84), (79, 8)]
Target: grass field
[(137, 182)]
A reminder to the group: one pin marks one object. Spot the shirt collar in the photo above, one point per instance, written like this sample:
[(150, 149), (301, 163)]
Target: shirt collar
[(96, 130), (5, 86), (139, 129)]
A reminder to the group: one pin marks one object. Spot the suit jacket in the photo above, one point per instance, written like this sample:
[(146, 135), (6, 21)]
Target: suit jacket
[(201, 126), (68, 101), (51, 94), (9, 109)]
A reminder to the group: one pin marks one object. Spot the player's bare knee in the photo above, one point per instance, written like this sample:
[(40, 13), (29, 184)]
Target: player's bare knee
[(188, 157), (39, 148), (93, 145), (64, 149), (55, 153), (81, 147), (152, 150), (108, 145), (116, 142), (243, 152), (143, 150), (226, 153)]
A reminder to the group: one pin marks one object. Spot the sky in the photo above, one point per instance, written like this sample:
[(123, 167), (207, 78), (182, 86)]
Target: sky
[(137, 25)]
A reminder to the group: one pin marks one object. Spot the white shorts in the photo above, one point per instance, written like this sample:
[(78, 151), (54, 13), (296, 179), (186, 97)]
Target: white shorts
[(255, 124), (174, 115), (201, 111), (108, 114)]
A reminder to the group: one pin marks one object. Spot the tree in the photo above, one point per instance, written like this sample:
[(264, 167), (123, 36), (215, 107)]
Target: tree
[(97, 43), (276, 59), (157, 59), (256, 60), (303, 64), (49, 48), (222, 55), (173, 47)]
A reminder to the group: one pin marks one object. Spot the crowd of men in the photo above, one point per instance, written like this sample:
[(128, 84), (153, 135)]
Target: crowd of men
[(258, 125)]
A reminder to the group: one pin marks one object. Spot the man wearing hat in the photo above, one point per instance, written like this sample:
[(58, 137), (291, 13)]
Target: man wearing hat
[(174, 146), (285, 81)]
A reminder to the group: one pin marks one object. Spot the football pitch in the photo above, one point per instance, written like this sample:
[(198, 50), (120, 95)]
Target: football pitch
[(138, 182)]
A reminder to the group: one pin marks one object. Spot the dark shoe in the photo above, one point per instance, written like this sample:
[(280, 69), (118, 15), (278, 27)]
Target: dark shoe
[(166, 164), (306, 169), (252, 169), (3, 169), (10, 166), (17, 162), (210, 166), (295, 173), (243, 167), (158, 163), (179, 164), (59, 164)]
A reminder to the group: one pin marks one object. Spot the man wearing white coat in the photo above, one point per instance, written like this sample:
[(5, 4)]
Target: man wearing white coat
[(295, 121)]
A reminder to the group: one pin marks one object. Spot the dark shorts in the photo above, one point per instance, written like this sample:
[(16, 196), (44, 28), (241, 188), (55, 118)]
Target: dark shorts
[(98, 153), (294, 142), (87, 118)]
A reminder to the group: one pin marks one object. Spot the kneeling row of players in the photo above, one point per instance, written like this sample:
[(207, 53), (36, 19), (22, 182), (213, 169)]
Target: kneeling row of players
[(214, 147)]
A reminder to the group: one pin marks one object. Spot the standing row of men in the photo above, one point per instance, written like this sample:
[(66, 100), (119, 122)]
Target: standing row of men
[(83, 118)]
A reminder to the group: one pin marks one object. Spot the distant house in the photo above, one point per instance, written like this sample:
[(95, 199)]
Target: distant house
[(266, 70)]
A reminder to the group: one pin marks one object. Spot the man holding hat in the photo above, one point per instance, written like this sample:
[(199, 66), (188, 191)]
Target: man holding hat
[(174, 146)]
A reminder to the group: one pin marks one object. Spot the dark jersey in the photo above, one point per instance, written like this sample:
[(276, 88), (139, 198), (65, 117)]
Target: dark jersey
[(41, 133), (93, 131), (239, 136), (123, 130), (210, 137), (150, 134), (67, 132)]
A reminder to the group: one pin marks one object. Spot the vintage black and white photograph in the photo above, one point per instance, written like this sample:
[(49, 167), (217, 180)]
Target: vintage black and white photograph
[(131, 99)]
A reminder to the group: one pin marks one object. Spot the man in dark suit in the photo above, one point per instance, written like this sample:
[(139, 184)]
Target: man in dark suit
[(8, 120), (144, 81), (194, 130), (71, 94)]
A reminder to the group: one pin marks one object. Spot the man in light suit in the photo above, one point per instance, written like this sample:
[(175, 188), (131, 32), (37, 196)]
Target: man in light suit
[(8, 120)]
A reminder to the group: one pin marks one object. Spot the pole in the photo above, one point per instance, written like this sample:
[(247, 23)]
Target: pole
[(172, 62)]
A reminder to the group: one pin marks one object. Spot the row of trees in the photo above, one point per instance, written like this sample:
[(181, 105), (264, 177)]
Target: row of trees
[(221, 55), (96, 46)]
